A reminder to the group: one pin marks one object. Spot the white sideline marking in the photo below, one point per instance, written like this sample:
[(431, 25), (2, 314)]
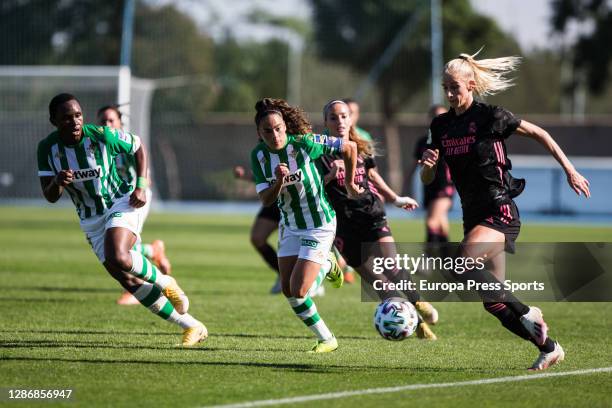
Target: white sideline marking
[(343, 394)]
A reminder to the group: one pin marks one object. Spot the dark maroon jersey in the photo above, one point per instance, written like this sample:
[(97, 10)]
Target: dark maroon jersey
[(473, 146), (355, 211)]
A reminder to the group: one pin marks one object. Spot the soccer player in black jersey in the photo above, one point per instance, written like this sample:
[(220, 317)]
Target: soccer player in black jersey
[(362, 232), (438, 195), (471, 139)]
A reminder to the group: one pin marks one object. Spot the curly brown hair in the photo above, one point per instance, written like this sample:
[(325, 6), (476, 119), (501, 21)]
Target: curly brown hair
[(294, 117)]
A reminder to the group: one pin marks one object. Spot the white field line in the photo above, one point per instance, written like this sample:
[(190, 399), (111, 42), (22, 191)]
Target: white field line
[(410, 387)]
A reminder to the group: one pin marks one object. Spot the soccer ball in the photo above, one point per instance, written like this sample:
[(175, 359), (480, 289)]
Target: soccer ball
[(395, 319)]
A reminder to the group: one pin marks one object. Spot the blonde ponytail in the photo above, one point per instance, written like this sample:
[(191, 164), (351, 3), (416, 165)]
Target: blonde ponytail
[(488, 74)]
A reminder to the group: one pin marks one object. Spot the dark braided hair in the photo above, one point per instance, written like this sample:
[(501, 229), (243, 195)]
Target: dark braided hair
[(294, 117)]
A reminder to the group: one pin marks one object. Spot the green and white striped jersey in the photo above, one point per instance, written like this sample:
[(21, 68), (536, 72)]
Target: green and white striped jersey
[(126, 167), (96, 184), (302, 200)]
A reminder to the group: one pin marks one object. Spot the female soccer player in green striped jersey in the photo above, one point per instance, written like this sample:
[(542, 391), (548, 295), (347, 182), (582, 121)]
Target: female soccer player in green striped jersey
[(79, 158), (285, 173)]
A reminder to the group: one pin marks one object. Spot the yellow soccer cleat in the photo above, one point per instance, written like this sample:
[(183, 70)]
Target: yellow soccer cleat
[(325, 346), (176, 296), (194, 335), (424, 332), (427, 312), (335, 274)]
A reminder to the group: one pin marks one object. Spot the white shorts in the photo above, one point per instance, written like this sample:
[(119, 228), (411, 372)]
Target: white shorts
[(146, 208), (313, 244), (121, 215)]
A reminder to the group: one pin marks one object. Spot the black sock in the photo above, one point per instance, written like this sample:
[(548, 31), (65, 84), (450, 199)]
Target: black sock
[(517, 307), (269, 255), (493, 296), (548, 346), (507, 318), (394, 276), (398, 275), (435, 237), (512, 322)]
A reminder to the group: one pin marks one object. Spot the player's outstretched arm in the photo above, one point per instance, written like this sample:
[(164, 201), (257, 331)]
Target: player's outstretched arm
[(138, 198), (399, 201), (53, 186), (349, 154), (576, 181)]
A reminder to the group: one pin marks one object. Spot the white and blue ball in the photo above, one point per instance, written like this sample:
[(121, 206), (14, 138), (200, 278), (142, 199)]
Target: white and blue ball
[(395, 319)]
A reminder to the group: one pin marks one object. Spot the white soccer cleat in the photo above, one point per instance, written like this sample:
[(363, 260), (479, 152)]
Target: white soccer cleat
[(534, 322), (546, 360)]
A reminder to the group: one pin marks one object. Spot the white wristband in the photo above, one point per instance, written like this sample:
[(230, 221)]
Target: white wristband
[(402, 201)]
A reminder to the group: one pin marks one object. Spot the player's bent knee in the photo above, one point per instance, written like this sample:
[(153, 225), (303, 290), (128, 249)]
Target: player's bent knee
[(258, 241), (127, 281), (433, 224), (299, 292), (121, 260)]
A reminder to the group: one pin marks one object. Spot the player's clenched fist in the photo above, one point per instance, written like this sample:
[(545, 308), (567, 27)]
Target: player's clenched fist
[(430, 158), (63, 178), (138, 198), (281, 171)]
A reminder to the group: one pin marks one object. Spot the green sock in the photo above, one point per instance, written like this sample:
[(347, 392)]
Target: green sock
[(145, 249), (151, 297), (143, 268), (306, 310), (320, 277)]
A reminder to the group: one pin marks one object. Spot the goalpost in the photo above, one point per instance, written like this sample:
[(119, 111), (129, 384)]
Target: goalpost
[(25, 92)]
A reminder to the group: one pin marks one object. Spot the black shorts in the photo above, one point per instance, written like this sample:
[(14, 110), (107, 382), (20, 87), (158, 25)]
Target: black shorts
[(432, 193), (505, 220), (270, 212), (351, 242)]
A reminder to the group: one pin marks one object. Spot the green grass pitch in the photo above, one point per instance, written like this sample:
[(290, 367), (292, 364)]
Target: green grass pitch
[(60, 328)]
